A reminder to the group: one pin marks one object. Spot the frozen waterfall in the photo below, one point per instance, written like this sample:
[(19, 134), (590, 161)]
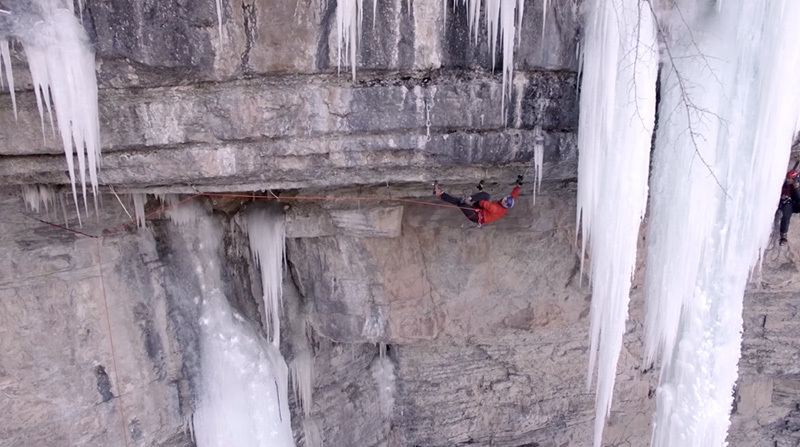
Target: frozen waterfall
[(616, 124), (242, 396), (728, 112), (719, 162)]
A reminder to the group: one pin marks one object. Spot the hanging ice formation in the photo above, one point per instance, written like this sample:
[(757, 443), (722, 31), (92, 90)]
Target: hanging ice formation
[(61, 63), (383, 374), (503, 19), (138, 207), (729, 95), (718, 167), (219, 18), (266, 231), (243, 390), (616, 124), (349, 14), (36, 196)]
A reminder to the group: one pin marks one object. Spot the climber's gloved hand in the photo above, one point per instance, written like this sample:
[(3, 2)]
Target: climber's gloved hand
[(519, 180)]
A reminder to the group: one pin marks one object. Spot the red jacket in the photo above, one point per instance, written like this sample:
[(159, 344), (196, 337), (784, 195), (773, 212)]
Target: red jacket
[(489, 211)]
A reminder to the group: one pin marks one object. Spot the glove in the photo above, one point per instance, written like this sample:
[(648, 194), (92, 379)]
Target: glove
[(519, 180)]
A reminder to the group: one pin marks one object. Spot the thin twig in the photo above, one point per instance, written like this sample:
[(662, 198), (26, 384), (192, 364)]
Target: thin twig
[(120, 201)]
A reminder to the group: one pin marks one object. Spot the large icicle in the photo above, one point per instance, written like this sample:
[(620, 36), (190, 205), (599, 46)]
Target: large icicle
[(617, 109), (266, 231), (6, 54), (728, 113), (61, 62)]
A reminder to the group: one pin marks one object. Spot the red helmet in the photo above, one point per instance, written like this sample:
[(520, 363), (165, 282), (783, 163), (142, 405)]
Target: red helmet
[(791, 175)]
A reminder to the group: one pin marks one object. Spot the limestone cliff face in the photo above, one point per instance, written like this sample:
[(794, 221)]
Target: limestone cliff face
[(487, 328), (264, 107)]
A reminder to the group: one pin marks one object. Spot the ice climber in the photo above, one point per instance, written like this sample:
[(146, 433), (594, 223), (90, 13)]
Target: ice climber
[(790, 201), (478, 207)]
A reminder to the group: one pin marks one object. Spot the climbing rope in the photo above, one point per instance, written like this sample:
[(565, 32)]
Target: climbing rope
[(111, 343), (122, 226), (252, 196)]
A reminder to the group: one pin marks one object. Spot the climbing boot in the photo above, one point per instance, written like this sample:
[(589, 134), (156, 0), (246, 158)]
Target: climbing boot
[(783, 239)]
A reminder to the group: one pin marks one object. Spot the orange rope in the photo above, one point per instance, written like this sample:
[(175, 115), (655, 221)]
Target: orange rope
[(165, 208), (121, 226)]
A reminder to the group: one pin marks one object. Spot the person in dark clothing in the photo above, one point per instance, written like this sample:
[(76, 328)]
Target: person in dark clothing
[(790, 201), (479, 207)]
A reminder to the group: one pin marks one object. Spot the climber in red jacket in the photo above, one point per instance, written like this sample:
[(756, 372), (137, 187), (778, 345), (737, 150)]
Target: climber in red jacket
[(790, 201), (477, 207)]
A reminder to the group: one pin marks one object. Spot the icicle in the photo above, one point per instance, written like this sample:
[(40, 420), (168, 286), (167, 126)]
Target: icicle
[(348, 24), (507, 35), (474, 18), (63, 203), (38, 196), (243, 397), (62, 69), (302, 373), (383, 373), (219, 18), (312, 431), (538, 160), (544, 23), (502, 18), (242, 392), (138, 208), (266, 231), (617, 109), (6, 53)]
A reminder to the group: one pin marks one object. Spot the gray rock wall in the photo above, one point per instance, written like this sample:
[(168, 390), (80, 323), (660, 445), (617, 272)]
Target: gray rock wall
[(62, 383), (264, 107), (487, 330)]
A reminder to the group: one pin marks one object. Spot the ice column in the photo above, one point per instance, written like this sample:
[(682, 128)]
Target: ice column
[(265, 228), (617, 109), (727, 116), (242, 397)]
